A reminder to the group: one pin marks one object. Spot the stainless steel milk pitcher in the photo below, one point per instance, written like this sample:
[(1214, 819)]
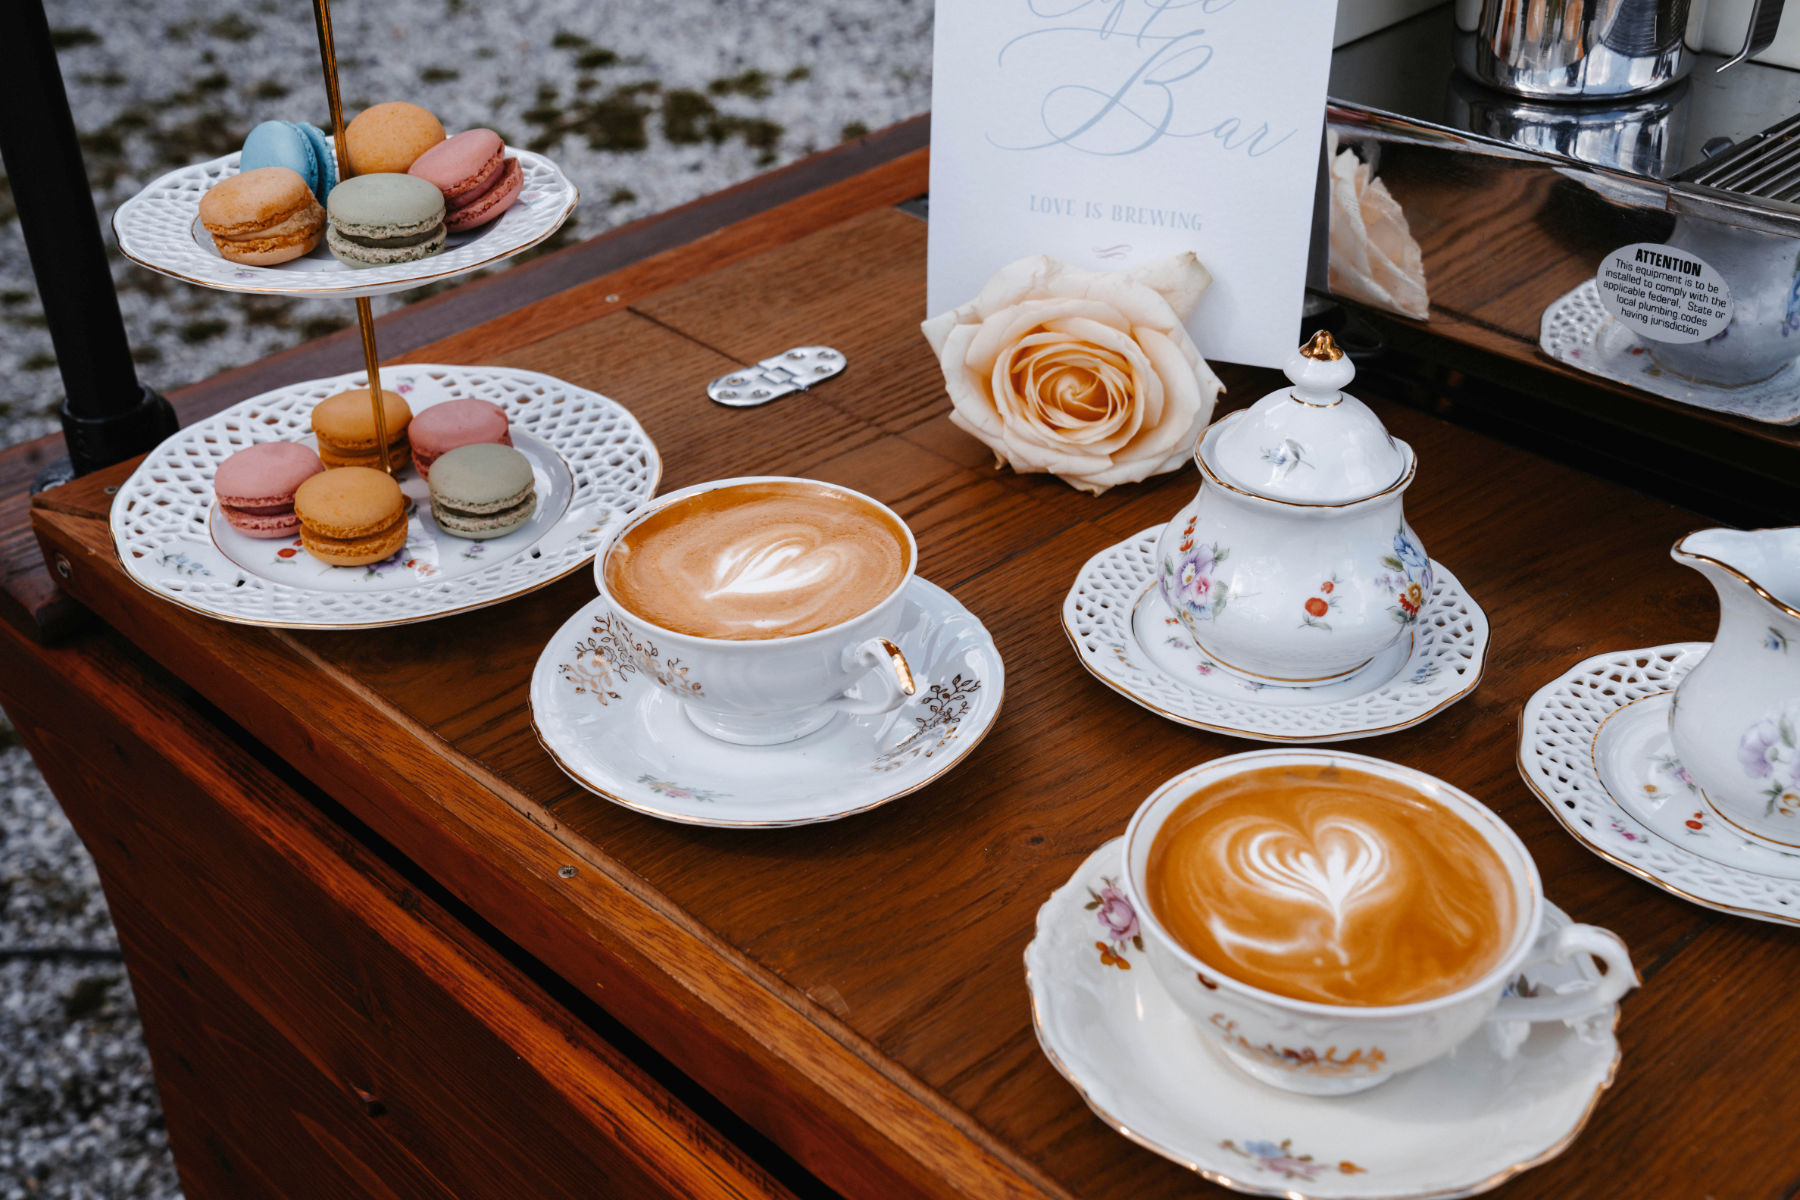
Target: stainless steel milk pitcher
[(1591, 49)]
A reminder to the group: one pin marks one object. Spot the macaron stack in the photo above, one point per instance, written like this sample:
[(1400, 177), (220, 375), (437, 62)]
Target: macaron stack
[(482, 491), (255, 487), (301, 148), (377, 220), (345, 425), (263, 217), (443, 427), (477, 179), (351, 517)]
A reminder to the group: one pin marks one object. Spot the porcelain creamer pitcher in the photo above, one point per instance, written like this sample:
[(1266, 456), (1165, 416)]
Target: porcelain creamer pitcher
[(1294, 564), (1735, 722)]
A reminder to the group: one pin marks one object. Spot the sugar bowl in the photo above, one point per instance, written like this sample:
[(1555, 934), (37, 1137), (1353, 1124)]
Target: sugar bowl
[(1294, 564)]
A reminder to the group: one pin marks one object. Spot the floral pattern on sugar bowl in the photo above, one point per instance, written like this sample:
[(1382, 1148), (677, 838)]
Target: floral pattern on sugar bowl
[(1293, 564)]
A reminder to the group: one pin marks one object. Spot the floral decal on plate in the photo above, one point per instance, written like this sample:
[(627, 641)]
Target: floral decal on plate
[(1286, 457), (1192, 581), (474, 550), (676, 791), (1330, 1064), (1118, 924), (181, 564), (1770, 749), (1280, 1159), (1408, 577), (945, 708), (1319, 606), (605, 660)]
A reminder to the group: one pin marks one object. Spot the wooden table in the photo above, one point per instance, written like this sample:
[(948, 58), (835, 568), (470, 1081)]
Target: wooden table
[(383, 947)]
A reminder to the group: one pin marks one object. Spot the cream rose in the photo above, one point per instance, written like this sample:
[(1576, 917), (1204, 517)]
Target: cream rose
[(1374, 257), (1089, 375)]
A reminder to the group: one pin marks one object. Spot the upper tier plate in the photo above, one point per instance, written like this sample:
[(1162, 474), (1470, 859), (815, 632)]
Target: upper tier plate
[(160, 228), (592, 463)]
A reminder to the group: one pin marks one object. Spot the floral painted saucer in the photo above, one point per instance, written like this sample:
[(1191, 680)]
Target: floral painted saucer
[(624, 739), (1594, 745), (591, 462), (1458, 1126), (1124, 632)]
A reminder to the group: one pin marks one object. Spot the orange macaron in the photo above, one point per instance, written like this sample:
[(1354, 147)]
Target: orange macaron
[(351, 517), (263, 217), (345, 427), (390, 137)]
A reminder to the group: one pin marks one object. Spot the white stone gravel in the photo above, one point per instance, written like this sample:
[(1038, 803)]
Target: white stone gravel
[(156, 84)]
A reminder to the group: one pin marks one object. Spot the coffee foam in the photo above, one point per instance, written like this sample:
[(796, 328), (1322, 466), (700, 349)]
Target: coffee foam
[(1331, 885), (758, 560)]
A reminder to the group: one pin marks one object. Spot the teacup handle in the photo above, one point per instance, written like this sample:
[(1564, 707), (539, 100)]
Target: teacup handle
[(898, 681), (1558, 947)]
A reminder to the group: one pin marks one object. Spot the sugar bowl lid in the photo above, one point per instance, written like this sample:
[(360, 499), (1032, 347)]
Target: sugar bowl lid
[(1310, 443)]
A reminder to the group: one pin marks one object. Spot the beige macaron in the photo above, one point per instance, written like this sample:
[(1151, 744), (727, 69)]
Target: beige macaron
[(390, 137)]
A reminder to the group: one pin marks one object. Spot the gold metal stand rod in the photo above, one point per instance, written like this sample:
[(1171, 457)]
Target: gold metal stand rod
[(365, 315)]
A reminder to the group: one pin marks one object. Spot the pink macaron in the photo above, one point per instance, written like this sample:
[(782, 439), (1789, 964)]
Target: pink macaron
[(478, 181), (255, 487), (443, 427)]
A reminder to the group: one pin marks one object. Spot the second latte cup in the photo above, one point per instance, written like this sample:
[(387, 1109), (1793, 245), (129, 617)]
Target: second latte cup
[(1336, 1049), (768, 690)]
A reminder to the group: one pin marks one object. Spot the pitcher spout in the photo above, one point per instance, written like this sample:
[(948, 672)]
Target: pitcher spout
[(1758, 566)]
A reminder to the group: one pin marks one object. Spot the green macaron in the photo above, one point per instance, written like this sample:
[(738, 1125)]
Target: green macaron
[(482, 491), (383, 218)]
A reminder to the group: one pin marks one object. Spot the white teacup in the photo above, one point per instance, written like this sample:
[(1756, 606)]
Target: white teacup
[(1335, 1049), (766, 690)]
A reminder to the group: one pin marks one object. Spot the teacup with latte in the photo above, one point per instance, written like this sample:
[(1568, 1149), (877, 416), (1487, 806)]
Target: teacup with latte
[(764, 605), (1330, 919)]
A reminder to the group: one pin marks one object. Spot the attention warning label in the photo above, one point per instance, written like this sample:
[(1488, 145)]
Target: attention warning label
[(1664, 294)]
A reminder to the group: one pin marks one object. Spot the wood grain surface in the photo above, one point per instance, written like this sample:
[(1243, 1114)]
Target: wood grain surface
[(855, 990)]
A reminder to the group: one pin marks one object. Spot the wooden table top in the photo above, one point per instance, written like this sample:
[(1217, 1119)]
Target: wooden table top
[(855, 990)]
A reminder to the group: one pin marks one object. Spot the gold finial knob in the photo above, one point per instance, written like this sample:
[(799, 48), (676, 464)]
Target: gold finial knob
[(1322, 348)]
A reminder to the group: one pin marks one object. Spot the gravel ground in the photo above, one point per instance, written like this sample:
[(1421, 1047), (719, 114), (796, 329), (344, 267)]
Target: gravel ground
[(645, 106)]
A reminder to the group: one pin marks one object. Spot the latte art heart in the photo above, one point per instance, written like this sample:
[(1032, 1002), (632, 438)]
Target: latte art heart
[(1337, 868), (758, 560), (1331, 885)]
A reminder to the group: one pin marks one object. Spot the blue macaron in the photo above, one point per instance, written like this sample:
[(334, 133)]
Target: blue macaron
[(299, 147)]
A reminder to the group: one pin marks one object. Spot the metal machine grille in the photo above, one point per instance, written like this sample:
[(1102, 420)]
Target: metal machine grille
[(1767, 165)]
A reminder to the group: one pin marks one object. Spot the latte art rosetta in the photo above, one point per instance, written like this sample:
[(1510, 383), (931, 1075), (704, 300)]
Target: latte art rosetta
[(1331, 885), (758, 561)]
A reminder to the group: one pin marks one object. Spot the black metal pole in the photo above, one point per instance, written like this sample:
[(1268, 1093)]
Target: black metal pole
[(107, 415)]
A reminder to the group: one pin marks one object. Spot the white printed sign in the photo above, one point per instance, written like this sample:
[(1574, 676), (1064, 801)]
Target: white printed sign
[(1108, 133), (1664, 294)]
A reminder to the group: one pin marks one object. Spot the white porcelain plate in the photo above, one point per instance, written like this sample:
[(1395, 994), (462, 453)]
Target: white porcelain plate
[(1594, 745), (624, 739), (1125, 633), (1459, 1125), (592, 462), (160, 228), (1577, 329)]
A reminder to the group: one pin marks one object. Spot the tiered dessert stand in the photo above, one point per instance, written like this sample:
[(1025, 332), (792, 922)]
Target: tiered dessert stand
[(592, 461)]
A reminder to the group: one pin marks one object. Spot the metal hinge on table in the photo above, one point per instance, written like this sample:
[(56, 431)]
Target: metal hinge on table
[(790, 371)]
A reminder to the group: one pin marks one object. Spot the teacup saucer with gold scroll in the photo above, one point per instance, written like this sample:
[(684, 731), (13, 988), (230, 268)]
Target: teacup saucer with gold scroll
[(1457, 1126), (619, 736), (1125, 634)]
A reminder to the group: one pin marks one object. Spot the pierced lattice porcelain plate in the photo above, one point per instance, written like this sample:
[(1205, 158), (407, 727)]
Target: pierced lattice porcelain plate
[(1124, 632), (626, 740), (1457, 1126), (1594, 746), (1577, 330), (160, 228), (593, 465)]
